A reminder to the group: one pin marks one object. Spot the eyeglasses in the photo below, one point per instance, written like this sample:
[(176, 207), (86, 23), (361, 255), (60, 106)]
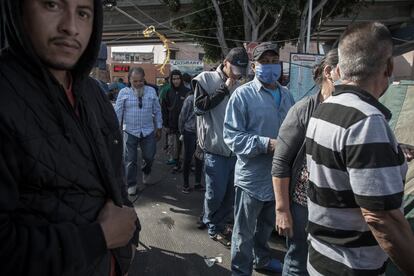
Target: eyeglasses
[(140, 102)]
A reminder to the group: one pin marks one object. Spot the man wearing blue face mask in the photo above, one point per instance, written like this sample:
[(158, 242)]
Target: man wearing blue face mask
[(253, 116)]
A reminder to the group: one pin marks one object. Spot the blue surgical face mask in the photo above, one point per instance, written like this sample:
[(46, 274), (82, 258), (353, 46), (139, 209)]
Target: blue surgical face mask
[(268, 73)]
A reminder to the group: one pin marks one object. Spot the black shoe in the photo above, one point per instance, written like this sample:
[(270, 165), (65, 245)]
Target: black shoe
[(186, 190), (201, 225), (223, 239)]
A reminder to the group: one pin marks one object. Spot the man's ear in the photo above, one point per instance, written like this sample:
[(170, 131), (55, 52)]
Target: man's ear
[(225, 61), (327, 72), (338, 71), (253, 65), (390, 67)]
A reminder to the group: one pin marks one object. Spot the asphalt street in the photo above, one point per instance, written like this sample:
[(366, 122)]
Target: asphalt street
[(170, 242)]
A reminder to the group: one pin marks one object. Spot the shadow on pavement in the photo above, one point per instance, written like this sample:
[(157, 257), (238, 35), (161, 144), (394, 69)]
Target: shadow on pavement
[(147, 262), (170, 243)]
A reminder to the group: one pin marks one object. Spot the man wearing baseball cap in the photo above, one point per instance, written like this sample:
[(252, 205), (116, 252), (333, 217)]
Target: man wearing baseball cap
[(238, 61), (253, 116), (211, 92)]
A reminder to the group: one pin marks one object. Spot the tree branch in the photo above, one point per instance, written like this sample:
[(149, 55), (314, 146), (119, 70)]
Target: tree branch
[(318, 7), (247, 26), (275, 23), (220, 28), (301, 39), (252, 11), (247, 11), (263, 19), (330, 12)]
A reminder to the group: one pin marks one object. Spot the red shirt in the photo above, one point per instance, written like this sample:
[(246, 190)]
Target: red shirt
[(69, 92)]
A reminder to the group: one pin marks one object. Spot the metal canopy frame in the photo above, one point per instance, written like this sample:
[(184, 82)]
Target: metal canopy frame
[(121, 30)]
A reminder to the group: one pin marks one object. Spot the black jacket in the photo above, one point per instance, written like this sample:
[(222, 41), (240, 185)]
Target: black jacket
[(57, 169), (171, 106)]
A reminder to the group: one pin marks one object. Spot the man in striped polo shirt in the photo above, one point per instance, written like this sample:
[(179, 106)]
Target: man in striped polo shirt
[(356, 166)]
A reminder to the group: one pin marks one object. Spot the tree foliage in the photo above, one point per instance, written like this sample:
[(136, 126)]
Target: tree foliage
[(223, 24)]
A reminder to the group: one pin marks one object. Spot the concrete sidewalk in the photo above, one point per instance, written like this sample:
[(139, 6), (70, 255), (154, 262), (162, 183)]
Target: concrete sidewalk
[(170, 242)]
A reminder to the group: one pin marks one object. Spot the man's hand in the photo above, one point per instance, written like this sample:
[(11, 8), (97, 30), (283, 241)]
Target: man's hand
[(118, 224), (284, 223), (408, 151), (158, 133), (271, 146)]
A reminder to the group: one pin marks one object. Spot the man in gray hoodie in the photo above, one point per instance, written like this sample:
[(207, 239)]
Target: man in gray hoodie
[(212, 91)]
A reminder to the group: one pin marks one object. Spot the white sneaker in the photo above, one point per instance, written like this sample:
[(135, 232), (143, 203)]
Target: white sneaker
[(132, 190), (147, 179)]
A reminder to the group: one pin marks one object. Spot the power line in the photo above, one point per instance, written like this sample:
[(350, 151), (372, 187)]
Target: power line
[(173, 29), (130, 17), (194, 12), (122, 37), (178, 31), (191, 34), (144, 13), (402, 40)]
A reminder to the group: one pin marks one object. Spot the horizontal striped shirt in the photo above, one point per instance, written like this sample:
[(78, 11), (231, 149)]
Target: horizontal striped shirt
[(138, 115), (354, 162)]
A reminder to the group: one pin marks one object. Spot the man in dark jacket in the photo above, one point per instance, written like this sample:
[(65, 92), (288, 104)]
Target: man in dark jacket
[(171, 108), (62, 198)]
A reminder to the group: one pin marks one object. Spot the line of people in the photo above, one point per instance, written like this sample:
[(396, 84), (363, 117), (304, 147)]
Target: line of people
[(256, 148), (229, 121), (237, 129), (64, 208)]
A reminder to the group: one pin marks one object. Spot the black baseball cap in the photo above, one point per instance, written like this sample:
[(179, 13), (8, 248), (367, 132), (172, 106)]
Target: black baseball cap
[(264, 47), (239, 60)]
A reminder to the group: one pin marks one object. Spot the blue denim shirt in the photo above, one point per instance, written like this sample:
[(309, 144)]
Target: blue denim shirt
[(252, 118)]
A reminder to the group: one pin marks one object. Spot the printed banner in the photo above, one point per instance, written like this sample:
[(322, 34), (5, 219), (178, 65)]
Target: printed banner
[(301, 82), (192, 67)]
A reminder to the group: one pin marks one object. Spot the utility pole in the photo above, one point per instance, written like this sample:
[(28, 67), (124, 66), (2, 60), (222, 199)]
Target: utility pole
[(309, 26)]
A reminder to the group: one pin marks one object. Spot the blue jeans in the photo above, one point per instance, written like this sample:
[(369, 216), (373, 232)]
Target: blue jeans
[(148, 146), (219, 196), (254, 221), (297, 253)]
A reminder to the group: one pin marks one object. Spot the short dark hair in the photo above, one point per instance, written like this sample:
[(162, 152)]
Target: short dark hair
[(120, 80), (176, 73), (186, 77), (364, 48), (330, 59)]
